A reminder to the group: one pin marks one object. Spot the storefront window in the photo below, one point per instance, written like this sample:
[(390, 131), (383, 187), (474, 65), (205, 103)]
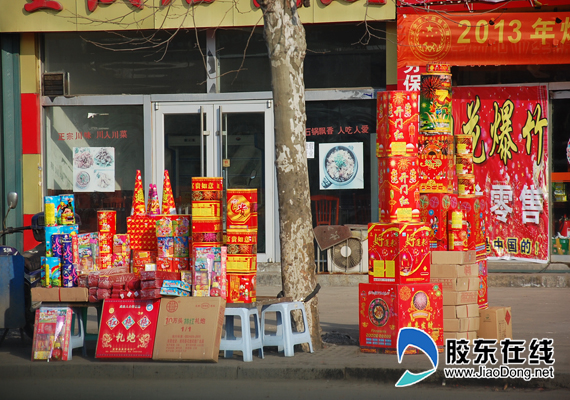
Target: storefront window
[(94, 153), (128, 63), (341, 133), (338, 56)]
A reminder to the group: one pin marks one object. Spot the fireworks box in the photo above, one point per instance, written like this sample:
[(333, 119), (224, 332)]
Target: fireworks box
[(398, 188), (457, 284), (189, 328), (398, 253), (386, 308), (495, 323), (434, 211), (451, 298), (142, 232), (397, 123), (460, 335), (472, 221), (461, 324), (436, 163)]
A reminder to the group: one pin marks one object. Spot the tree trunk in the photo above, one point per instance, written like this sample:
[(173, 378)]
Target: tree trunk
[(285, 38)]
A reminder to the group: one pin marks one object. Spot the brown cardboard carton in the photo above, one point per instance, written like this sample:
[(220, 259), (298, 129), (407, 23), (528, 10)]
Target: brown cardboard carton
[(451, 298), (473, 283), (449, 312), (189, 328), (453, 257), (461, 324), (495, 323), (75, 294), (452, 284), (460, 335), (45, 294), (467, 311), (454, 271)]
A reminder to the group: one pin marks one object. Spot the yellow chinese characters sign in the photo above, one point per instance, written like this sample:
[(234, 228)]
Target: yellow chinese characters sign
[(484, 39)]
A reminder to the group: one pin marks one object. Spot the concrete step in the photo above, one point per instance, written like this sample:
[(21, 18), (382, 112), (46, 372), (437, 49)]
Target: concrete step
[(269, 274)]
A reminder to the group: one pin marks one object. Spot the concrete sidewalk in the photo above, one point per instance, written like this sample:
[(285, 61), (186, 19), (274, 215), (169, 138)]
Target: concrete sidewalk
[(537, 313)]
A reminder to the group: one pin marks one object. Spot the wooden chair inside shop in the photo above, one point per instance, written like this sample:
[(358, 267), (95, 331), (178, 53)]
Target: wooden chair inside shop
[(325, 209)]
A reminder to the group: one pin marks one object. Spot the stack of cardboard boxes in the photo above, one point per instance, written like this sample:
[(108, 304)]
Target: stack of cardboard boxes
[(457, 272)]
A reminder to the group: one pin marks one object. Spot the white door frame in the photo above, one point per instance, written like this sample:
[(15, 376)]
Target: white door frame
[(212, 129)]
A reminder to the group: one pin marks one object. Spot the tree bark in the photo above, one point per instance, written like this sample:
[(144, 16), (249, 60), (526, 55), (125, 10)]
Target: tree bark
[(285, 38)]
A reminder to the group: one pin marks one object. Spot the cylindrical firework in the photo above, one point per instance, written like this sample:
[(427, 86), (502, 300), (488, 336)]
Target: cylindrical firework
[(435, 103), (466, 184), (66, 250), (464, 165), (454, 231), (464, 145), (242, 209), (107, 221), (69, 275)]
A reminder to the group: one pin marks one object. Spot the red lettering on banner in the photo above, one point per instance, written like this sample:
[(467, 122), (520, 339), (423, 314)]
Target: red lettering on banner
[(39, 4), (92, 4)]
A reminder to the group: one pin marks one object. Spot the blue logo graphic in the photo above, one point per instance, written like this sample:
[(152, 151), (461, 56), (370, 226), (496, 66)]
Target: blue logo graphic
[(424, 342)]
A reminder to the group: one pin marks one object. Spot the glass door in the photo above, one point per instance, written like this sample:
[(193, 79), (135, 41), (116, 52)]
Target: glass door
[(219, 139)]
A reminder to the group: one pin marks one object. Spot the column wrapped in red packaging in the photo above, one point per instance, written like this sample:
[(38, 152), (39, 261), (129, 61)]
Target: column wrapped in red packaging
[(482, 298), (472, 214), (242, 209), (241, 242), (241, 288), (107, 221), (398, 180), (397, 123)]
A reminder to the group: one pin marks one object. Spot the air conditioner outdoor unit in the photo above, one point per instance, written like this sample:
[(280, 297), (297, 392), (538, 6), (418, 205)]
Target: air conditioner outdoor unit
[(351, 255)]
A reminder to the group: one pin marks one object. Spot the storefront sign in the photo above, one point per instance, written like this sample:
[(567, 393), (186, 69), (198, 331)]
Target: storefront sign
[(340, 130), (409, 78), (510, 153), (484, 39)]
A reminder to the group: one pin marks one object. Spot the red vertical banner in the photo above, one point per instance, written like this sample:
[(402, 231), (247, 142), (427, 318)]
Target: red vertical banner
[(510, 154)]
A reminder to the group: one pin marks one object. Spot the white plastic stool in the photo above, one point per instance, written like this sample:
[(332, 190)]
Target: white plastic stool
[(285, 338), (246, 344), (77, 340)]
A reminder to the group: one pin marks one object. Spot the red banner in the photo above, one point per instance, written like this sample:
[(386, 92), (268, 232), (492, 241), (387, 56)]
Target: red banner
[(484, 39), (510, 152)]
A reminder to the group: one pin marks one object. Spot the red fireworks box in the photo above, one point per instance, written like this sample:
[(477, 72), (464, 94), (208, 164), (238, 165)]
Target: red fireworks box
[(386, 308), (127, 329), (436, 165), (398, 252), (397, 123), (472, 217), (142, 232), (434, 208), (398, 189)]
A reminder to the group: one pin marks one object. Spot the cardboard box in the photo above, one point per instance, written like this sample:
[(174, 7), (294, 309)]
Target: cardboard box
[(74, 294), (461, 324), (460, 335), (398, 252), (495, 323), (385, 308), (454, 271), (189, 328), (451, 298), (45, 294), (453, 257), (461, 311), (455, 284)]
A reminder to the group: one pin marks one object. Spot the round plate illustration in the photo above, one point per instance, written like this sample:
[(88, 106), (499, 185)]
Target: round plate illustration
[(82, 180), (420, 300), (378, 312)]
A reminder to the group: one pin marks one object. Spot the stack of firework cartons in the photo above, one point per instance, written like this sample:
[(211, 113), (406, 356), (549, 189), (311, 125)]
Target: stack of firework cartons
[(436, 154), (173, 244), (59, 267), (399, 293), (207, 236), (457, 273), (241, 241)]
